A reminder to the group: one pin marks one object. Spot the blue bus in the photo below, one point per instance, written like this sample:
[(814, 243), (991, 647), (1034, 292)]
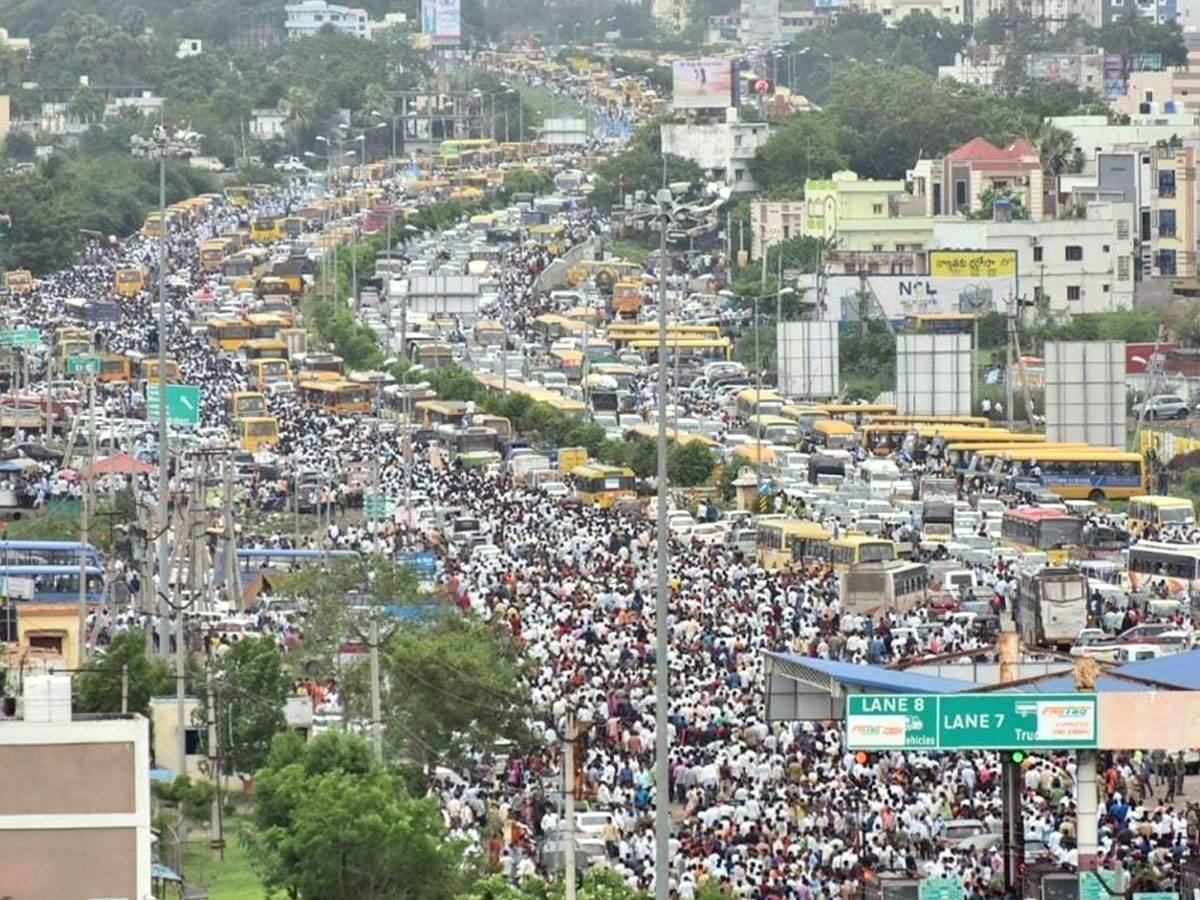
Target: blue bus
[(51, 584), (48, 553)]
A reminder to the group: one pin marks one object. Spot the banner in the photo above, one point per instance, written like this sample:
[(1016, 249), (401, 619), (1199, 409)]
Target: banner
[(702, 83), (972, 263), (441, 21)]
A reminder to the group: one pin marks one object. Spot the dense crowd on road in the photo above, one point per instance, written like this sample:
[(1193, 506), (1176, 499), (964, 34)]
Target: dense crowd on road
[(765, 810)]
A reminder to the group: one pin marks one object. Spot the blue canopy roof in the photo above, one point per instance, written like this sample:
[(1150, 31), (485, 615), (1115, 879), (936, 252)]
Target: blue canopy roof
[(877, 678), (1179, 669)]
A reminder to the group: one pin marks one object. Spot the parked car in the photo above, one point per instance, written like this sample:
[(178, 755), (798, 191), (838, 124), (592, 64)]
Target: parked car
[(1165, 406)]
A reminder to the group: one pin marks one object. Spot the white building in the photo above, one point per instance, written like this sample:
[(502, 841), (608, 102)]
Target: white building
[(1077, 265), (772, 221), (978, 72), (306, 18), (387, 23), (186, 47), (1094, 134), (267, 124), (723, 149)]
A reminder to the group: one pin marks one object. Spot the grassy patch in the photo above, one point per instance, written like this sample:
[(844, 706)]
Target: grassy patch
[(548, 103), (630, 250), (232, 878)]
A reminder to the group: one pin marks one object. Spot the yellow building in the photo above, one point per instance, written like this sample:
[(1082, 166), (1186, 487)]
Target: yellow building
[(50, 627), (893, 11), (1173, 247), (864, 215)]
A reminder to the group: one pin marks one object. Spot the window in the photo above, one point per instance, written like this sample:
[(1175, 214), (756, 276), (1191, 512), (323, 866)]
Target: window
[(1166, 262), (1122, 268), (1105, 288), (960, 195), (1074, 253), (877, 209), (877, 248), (1037, 254), (1107, 249), (1166, 223), (1122, 229), (1166, 183), (1074, 292)]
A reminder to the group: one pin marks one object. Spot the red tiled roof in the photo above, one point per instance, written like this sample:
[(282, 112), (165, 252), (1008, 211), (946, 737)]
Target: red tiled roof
[(983, 154)]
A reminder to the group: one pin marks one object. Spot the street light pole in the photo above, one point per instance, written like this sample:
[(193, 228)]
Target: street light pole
[(164, 636), (662, 744)]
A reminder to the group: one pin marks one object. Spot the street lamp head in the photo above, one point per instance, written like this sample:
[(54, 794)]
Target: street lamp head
[(785, 292), (664, 195)]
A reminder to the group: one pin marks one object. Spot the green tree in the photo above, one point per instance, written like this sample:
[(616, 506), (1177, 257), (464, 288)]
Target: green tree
[(193, 799), (641, 167), (804, 147), (450, 683), (98, 687), (689, 464), (251, 689), (331, 824)]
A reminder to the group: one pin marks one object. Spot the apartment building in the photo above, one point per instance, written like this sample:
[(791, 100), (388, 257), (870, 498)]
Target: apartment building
[(75, 809), (865, 215), (1076, 265), (723, 149), (772, 221), (956, 184), (307, 17)]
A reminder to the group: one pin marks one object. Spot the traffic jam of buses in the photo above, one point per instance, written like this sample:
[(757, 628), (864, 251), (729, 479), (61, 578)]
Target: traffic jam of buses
[(504, 440)]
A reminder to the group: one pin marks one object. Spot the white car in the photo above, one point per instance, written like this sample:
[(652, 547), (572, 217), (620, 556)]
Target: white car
[(556, 490), (1165, 406), (709, 533)]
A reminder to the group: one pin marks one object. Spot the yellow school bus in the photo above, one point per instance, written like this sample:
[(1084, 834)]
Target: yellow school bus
[(853, 549), (264, 372), (255, 433), (247, 404), (148, 370), (342, 398), (213, 253), (266, 230), (1146, 510), (70, 342), (114, 368), (229, 334), (239, 195), (783, 541), (599, 485), (128, 282), (19, 281)]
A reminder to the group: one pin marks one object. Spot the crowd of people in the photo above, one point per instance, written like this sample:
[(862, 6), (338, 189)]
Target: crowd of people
[(765, 810)]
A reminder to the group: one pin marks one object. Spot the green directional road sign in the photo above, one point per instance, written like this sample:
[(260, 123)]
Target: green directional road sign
[(971, 722), (941, 889), (1094, 886), (20, 337), (1155, 895), (83, 365), (183, 404), (376, 506)]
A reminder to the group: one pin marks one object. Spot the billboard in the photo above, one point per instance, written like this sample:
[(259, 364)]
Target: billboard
[(935, 375), (973, 263), (1114, 76), (702, 83), (441, 21), (909, 295), (1085, 392), (808, 358), (1054, 67)]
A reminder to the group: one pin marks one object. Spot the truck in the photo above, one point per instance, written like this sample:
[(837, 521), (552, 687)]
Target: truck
[(522, 466)]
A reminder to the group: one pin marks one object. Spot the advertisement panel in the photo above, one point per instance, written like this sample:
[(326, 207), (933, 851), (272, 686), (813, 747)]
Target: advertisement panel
[(808, 359), (935, 375), (1054, 67), (441, 21), (1114, 76), (972, 263), (907, 295), (1085, 392), (702, 83)]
